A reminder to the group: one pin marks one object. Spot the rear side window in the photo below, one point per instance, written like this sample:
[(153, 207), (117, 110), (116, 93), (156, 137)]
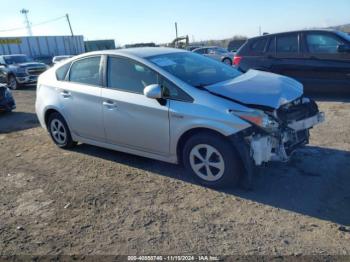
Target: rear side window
[(288, 43), (86, 71), (319, 43), (61, 72), (130, 76), (259, 45), (272, 45)]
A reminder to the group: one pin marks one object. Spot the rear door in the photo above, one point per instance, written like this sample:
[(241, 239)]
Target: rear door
[(288, 57), (254, 55), (80, 96), (326, 69)]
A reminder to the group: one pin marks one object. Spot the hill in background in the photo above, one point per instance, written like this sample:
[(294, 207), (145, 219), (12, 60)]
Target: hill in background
[(344, 28)]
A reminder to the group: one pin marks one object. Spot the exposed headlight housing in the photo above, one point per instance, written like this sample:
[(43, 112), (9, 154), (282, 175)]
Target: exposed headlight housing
[(258, 118)]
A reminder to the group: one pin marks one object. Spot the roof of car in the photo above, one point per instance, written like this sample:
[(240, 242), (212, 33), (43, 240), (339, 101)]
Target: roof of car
[(204, 47), (296, 31), (140, 51)]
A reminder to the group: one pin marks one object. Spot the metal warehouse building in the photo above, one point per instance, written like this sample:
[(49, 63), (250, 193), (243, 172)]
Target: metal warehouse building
[(40, 46)]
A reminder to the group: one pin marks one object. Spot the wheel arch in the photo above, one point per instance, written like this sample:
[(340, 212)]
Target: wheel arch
[(237, 142), (50, 111), (10, 73), (191, 132)]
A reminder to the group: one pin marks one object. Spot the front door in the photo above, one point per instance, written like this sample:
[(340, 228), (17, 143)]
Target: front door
[(326, 68), (131, 119)]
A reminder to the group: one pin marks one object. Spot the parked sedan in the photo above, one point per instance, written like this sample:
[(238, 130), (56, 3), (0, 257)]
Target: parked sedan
[(217, 53), (319, 59), (179, 107), (7, 103), (60, 58)]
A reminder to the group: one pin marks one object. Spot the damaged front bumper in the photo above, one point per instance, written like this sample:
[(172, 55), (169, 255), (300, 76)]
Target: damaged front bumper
[(280, 146)]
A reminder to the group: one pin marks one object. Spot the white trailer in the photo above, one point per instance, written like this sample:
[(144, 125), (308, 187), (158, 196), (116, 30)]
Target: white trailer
[(41, 46)]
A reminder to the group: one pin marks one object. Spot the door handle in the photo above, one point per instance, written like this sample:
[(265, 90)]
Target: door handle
[(65, 94), (109, 104)]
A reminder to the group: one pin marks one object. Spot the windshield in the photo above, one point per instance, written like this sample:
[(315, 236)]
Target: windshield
[(345, 35), (16, 59), (195, 69)]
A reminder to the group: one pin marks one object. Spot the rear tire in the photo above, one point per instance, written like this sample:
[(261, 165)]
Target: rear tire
[(227, 61), (59, 131), (212, 161)]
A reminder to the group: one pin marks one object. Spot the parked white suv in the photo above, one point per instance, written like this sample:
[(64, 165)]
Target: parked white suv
[(176, 106)]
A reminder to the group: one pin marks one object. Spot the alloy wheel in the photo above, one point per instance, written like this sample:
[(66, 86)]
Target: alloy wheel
[(207, 162), (58, 131), (227, 61)]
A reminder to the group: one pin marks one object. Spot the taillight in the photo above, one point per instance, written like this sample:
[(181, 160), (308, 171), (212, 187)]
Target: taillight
[(237, 60)]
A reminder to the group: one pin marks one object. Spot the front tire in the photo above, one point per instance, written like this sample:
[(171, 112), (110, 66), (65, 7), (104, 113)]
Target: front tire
[(59, 131), (212, 161), (12, 82)]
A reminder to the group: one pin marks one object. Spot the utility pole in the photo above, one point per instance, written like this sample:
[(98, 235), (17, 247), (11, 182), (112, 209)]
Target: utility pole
[(26, 21), (259, 30), (70, 26), (176, 30)]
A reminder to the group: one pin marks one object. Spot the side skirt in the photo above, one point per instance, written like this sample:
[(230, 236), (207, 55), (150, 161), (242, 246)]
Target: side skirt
[(168, 159)]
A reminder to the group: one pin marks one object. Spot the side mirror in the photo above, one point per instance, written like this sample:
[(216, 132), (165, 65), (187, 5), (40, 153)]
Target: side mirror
[(344, 48), (153, 91)]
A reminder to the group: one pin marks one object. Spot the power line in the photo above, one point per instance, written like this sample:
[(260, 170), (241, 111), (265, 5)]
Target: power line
[(38, 24)]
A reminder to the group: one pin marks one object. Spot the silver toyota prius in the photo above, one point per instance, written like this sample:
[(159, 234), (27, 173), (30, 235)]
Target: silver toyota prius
[(176, 106)]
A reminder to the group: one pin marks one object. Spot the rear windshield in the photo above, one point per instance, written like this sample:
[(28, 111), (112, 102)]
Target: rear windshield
[(195, 69)]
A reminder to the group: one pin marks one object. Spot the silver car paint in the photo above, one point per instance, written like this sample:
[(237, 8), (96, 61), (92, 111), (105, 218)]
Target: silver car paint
[(127, 113), (260, 88), (150, 130), (157, 139)]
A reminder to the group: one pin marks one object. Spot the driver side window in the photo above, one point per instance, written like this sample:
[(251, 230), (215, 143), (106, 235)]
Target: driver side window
[(128, 75), (319, 43)]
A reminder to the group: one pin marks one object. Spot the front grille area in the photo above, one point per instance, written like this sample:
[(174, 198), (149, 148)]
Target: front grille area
[(35, 71), (297, 111)]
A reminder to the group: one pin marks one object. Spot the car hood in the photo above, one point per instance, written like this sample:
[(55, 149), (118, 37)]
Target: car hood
[(259, 88)]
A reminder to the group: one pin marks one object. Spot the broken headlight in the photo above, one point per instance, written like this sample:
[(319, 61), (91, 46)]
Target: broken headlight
[(258, 118)]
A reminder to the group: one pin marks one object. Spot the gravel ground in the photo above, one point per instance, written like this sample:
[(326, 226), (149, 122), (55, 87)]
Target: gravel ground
[(95, 201)]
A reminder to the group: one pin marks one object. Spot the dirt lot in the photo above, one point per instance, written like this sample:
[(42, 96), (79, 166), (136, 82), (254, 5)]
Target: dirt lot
[(96, 201)]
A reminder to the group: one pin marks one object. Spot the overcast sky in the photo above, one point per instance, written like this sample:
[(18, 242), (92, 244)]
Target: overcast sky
[(133, 21)]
